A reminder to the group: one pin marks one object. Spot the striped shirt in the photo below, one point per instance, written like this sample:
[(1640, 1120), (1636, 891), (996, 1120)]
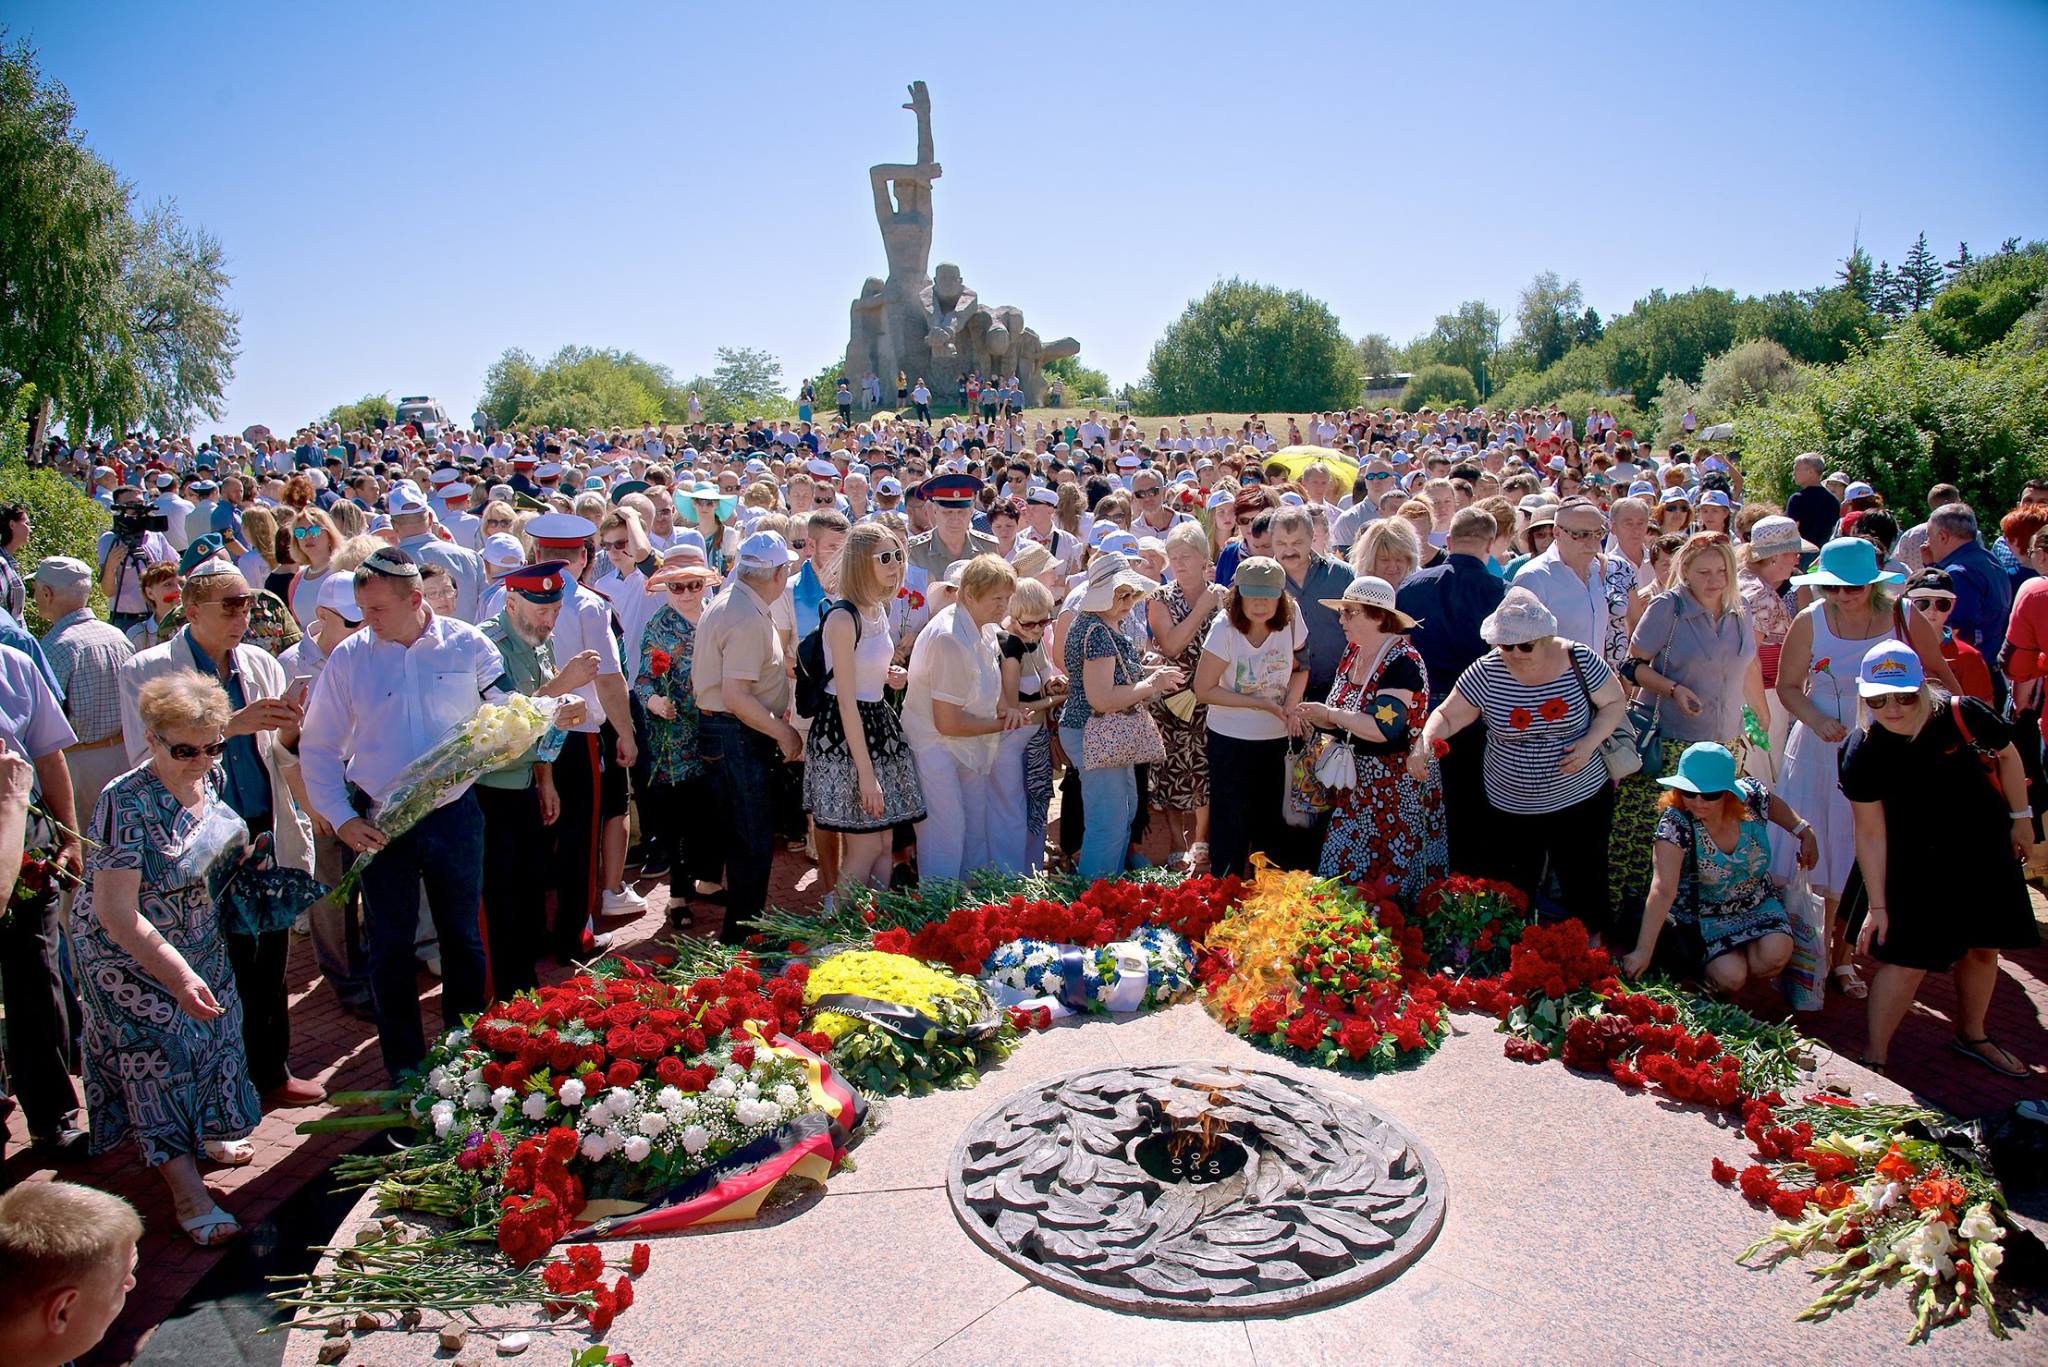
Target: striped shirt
[(86, 655), (1528, 729)]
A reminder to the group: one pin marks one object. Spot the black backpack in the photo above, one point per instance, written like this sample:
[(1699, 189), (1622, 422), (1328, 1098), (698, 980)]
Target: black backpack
[(811, 674)]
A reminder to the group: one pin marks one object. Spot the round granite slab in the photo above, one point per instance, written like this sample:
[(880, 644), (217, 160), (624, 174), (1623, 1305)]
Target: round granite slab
[(1331, 1200)]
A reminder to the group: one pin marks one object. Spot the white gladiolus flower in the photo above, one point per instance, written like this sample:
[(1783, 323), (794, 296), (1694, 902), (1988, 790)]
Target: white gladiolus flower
[(571, 1092), (695, 1139), (535, 1106), (636, 1149), (1979, 1223), (595, 1146), (653, 1123), (1986, 1259)]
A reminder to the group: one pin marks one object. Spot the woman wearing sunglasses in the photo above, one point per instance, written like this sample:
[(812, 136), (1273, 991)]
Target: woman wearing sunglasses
[(315, 539), (678, 797), (1853, 610), (1928, 772), (1548, 704), (1933, 592), (164, 1059)]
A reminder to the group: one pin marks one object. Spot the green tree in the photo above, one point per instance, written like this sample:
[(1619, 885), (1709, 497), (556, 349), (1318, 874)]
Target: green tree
[(64, 237), (1920, 275), (182, 338), (1244, 346), (1547, 318), (1377, 357), (746, 378), (1986, 298), (362, 415), (1668, 335), (1905, 415), (1959, 262), (1439, 386), (1077, 381), (1887, 292), (1469, 337), (581, 387), (1589, 329), (508, 384), (1855, 274)]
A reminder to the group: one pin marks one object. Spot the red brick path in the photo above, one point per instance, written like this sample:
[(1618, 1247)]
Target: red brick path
[(340, 1052)]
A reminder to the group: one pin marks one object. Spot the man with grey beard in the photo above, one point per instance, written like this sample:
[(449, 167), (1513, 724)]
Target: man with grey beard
[(519, 800)]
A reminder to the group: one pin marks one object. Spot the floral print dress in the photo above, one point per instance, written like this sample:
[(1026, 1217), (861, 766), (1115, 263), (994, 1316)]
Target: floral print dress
[(1731, 893), (152, 1073), (1390, 828), (1181, 784), (666, 649)]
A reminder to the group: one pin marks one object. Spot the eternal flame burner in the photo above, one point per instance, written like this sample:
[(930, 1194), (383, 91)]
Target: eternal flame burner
[(1196, 1190)]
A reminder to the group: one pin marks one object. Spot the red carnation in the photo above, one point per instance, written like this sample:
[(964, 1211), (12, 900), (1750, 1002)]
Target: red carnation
[(642, 1255), (1724, 1173), (658, 663), (894, 940)]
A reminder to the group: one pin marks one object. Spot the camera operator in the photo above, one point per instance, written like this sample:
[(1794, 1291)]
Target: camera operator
[(136, 542)]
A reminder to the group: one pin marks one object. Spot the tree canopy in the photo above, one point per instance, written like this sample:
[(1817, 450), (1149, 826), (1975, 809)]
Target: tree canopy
[(1245, 346), (114, 320), (585, 387)]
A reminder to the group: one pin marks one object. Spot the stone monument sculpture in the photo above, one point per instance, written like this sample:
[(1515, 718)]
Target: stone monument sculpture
[(933, 329)]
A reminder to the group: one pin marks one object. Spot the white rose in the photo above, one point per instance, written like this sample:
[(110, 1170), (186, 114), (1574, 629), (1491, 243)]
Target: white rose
[(695, 1138), (653, 1123), (637, 1149), (535, 1106), (571, 1092)]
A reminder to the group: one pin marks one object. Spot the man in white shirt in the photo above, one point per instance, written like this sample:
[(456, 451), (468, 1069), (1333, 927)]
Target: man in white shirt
[(174, 511), (387, 696), (1571, 576)]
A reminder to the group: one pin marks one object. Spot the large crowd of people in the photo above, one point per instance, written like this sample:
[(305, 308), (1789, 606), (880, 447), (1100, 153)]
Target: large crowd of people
[(1693, 718)]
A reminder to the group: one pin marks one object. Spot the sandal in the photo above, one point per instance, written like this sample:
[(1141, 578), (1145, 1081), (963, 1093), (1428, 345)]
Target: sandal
[(211, 1229), (1198, 859), (1849, 983), (1874, 1066), (1974, 1048), (230, 1153)]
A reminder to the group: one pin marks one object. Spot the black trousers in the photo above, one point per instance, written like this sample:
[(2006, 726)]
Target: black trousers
[(1571, 841), (743, 765), (259, 961), (686, 824), (1466, 810), (515, 887), (39, 1016), (1246, 788), (578, 833)]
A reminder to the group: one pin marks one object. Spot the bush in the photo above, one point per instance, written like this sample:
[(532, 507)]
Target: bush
[(1985, 299), (1905, 415), (1580, 370), (62, 520), (1439, 386)]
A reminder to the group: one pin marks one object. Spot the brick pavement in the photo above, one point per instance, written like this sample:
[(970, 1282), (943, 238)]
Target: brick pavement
[(340, 1052)]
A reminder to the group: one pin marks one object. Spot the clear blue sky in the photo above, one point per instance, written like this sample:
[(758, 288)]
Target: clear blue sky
[(406, 190)]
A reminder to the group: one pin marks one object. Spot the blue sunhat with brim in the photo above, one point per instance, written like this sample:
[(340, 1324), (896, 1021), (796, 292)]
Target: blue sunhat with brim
[(1847, 562), (1704, 770)]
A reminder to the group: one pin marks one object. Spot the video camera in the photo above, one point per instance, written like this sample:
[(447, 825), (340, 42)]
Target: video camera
[(133, 521)]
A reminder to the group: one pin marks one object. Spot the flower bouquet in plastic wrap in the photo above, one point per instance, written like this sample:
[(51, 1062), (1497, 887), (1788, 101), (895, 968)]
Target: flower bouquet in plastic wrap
[(1047, 981), (897, 1025), (494, 737)]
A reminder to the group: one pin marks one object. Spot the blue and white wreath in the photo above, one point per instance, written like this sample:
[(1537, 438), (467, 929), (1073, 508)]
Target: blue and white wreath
[(1153, 967)]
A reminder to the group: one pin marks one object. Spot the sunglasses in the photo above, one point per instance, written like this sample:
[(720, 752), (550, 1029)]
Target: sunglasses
[(1843, 588), (798, 545), (184, 753), (1519, 648), (235, 602), (305, 533), (694, 586), (1031, 623), (1592, 535), (889, 557), (618, 545), (1889, 701), (1939, 602)]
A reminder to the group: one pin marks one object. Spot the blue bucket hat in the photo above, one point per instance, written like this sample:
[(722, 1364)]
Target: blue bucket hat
[(1847, 562), (1704, 770)]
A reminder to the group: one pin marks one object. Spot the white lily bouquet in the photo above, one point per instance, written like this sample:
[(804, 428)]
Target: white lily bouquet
[(497, 735)]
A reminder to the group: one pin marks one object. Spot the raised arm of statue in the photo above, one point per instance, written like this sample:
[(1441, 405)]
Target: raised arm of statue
[(920, 103), (881, 177)]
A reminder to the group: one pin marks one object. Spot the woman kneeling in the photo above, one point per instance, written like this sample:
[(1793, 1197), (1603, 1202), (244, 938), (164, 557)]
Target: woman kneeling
[(1712, 875)]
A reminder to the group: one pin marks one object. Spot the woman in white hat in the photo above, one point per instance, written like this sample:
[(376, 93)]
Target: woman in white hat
[(1943, 838), (1548, 704), (1766, 563), (1854, 610), (1390, 826), (1105, 676)]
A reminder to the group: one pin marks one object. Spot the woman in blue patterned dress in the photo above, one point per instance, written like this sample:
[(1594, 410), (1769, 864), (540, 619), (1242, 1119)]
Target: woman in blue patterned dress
[(678, 797), (163, 1025), (1389, 827)]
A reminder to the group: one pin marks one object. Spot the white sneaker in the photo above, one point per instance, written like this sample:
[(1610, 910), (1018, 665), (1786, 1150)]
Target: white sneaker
[(623, 901)]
